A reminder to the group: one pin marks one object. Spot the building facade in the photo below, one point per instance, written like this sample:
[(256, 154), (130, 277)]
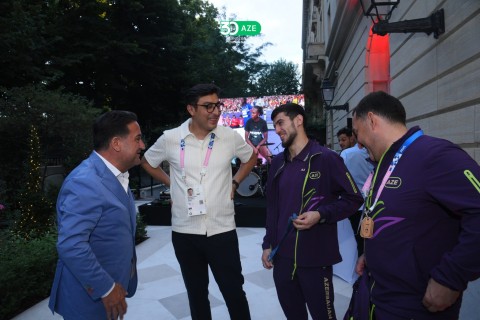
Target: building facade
[(437, 79)]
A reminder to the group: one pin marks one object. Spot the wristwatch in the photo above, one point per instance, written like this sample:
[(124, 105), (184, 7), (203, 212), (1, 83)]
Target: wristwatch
[(235, 183)]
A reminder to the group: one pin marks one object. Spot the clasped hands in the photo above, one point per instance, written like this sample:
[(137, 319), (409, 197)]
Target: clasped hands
[(306, 220)]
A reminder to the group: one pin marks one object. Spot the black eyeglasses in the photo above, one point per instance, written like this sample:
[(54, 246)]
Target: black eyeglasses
[(211, 106)]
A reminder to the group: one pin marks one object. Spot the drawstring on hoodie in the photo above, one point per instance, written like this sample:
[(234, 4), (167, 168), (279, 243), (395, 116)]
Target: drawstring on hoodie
[(304, 203)]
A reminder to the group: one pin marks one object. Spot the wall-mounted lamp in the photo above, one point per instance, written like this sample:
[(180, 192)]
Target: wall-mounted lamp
[(380, 12), (327, 91)]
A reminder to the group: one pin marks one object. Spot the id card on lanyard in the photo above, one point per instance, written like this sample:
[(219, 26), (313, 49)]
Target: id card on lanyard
[(195, 196), (367, 225), (196, 201)]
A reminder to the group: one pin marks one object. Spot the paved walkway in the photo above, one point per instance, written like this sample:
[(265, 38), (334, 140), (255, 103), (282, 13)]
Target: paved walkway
[(161, 293)]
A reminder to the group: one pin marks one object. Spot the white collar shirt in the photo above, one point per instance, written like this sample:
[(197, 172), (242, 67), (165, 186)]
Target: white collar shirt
[(355, 160), (121, 176), (217, 182)]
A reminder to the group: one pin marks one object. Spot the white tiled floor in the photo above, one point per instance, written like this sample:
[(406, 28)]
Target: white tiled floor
[(161, 293)]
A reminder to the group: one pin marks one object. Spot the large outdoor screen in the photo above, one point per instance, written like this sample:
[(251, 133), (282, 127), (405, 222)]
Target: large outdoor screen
[(237, 110), (236, 113)]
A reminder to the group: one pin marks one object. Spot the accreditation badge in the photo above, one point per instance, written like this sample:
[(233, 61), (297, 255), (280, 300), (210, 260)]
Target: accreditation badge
[(366, 229), (196, 200)]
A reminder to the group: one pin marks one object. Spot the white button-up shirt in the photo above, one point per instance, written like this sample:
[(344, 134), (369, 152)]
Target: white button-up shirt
[(121, 176), (217, 182)]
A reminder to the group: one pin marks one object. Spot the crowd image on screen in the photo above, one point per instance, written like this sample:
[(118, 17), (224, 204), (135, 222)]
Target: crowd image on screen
[(236, 111)]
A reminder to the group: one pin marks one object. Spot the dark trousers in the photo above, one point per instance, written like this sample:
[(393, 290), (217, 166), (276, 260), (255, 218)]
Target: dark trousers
[(312, 287), (355, 221), (194, 254)]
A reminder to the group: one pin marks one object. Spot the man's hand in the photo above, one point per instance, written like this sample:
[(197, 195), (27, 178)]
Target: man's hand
[(266, 264), (438, 297), (115, 303), (360, 266), (306, 220), (232, 194)]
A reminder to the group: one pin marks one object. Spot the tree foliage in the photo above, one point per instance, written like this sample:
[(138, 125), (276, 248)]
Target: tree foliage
[(25, 41), (63, 121), (139, 55), (65, 61), (279, 78)]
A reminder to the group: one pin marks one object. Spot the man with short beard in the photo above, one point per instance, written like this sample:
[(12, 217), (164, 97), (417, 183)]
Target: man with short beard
[(346, 139), (312, 182)]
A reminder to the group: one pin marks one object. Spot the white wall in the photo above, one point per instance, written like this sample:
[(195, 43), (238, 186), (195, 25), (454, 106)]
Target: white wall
[(437, 80)]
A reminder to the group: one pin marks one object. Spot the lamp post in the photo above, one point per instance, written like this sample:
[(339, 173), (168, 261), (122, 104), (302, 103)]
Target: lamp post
[(327, 91), (380, 12)]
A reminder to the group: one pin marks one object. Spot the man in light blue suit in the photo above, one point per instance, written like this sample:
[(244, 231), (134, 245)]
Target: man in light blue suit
[(96, 218)]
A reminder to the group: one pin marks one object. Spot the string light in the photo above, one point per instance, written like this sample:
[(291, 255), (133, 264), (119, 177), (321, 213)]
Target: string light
[(35, 208)]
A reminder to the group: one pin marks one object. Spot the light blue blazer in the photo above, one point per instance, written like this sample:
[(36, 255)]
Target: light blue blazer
[(96, 241)]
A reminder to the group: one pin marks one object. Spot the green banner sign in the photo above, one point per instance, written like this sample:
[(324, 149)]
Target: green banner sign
[(240, 28)]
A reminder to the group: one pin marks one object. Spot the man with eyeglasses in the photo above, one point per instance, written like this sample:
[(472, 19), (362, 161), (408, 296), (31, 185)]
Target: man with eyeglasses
[(203, 225)]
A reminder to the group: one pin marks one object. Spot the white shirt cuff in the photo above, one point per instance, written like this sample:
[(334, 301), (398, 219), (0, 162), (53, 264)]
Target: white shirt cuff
[(109, 291)]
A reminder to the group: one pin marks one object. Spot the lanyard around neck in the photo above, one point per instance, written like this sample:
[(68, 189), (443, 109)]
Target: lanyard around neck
[(390, 169), (205, 162)]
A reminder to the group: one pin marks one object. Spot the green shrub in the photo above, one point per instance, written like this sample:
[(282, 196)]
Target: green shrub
[(27, 269), (26, 272), (141, 231)]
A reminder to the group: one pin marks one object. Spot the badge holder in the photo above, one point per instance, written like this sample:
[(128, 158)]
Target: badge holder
[(366, 229), (196, 201)]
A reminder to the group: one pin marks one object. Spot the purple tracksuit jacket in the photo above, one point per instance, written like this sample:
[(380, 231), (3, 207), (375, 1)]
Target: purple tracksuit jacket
[(427, 225), (316, 179)]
